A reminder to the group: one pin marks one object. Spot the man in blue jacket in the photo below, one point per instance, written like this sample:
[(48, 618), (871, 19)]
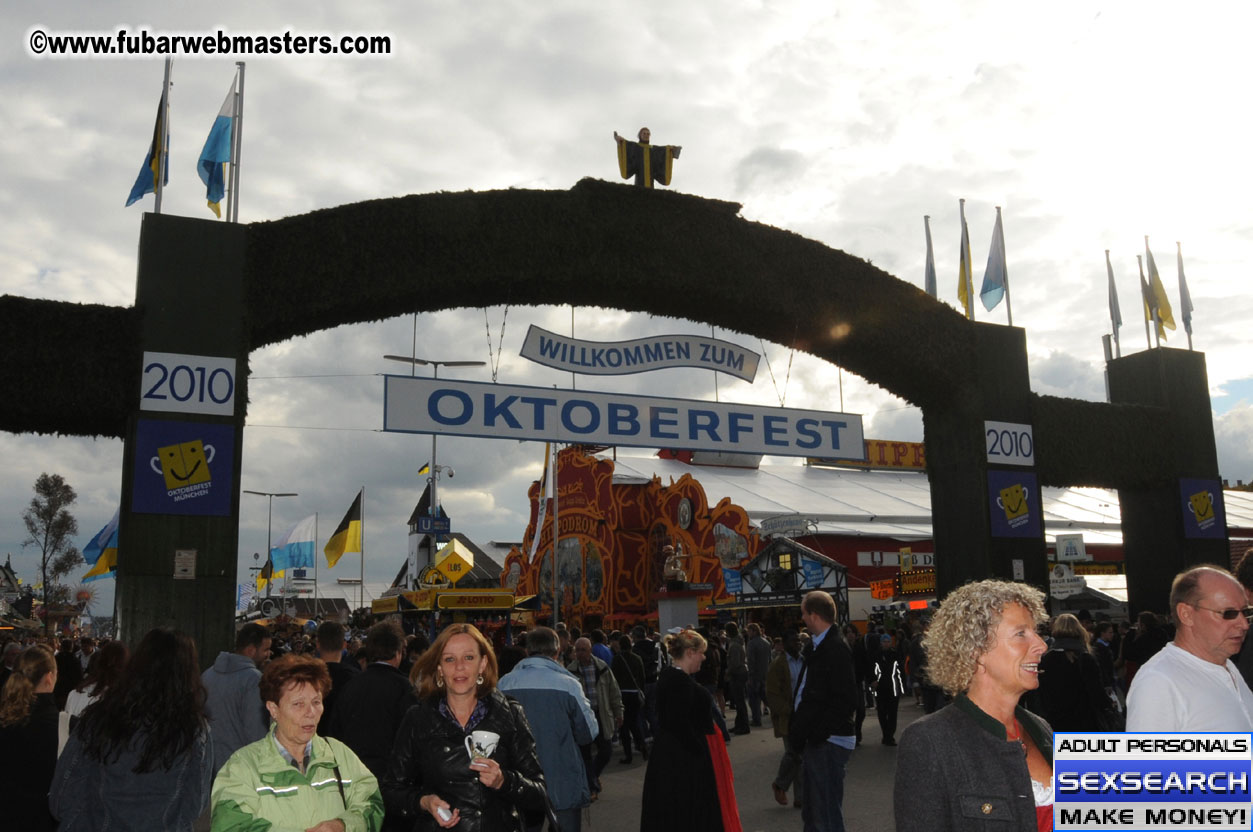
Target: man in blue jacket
[(561, 720), (233, 705)]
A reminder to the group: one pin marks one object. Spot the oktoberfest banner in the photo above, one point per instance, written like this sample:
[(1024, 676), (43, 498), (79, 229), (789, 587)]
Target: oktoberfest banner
[(506, 411), (612, 358)]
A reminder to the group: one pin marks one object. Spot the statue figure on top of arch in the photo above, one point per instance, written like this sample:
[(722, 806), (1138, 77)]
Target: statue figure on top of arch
[(648, 163)]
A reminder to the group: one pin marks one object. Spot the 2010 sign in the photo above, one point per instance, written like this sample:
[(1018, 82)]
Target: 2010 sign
[(1009, 443), (180, 383)]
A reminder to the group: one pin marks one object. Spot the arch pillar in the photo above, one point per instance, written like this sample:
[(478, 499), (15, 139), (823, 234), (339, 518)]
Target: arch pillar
[(968, 544)]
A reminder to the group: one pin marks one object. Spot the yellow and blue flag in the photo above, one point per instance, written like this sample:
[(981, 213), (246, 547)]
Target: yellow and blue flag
[(145, 183), (217, 152), (101, 551), (347, 536), (1160, 308), (965, 284)]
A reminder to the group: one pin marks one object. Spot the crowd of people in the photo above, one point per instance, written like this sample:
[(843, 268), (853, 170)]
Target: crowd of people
[(339, 732)]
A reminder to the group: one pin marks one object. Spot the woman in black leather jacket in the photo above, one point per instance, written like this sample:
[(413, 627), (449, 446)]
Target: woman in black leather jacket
[(431, 773)]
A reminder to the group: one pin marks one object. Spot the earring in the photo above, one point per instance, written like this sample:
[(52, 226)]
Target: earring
[(439, 680), (480, 679)]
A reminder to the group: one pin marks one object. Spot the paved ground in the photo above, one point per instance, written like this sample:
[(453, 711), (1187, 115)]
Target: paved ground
[(755, 758)]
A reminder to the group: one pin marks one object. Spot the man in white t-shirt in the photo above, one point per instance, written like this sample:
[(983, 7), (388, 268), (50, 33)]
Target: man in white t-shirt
[(1191, 684)]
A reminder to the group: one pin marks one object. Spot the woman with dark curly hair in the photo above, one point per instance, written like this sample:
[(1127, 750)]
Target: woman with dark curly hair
[(292, 778), (103, 671), (982, 762), (28, 735), (464, 754), (140, 755)]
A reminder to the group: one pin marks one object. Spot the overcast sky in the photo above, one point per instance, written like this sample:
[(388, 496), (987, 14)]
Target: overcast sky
[(1091, 124)]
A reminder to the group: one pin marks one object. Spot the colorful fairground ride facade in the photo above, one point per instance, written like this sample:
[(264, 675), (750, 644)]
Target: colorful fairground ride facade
[(610, 561)]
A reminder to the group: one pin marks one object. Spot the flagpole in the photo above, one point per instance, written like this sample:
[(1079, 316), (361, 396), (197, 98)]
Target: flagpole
[(230, 168), (361, 582), (1144, 298), (163, 138), (556, 529), (1157, 315), (315, 564), (237, 145), (928, 277)]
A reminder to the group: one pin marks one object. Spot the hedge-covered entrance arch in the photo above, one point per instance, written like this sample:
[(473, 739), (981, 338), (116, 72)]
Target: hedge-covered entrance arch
[(601, 244)]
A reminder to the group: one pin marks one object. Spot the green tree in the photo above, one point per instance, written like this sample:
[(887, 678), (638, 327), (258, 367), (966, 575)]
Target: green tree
[(50, 528)]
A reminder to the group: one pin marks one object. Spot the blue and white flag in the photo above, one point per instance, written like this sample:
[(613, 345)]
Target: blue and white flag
[(243, 597), (217, 152), (1115, 313), (1185, 297), (996, 275), (929, 273), (294, 548)]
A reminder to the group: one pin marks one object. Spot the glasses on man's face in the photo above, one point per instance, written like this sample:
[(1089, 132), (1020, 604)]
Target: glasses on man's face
[(1228, 614)]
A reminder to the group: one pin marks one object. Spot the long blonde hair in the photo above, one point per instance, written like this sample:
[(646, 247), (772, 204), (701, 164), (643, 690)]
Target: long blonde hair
[(424, 673), (19, 691)]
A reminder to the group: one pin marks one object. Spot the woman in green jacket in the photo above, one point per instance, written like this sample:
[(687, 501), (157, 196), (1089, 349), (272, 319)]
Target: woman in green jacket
[(292, 778)]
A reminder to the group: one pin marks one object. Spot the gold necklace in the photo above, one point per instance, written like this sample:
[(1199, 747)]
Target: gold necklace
[(1017, 737)]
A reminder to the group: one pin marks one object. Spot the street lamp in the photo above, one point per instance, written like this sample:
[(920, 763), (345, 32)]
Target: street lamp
[(268, 515), (413, 362)]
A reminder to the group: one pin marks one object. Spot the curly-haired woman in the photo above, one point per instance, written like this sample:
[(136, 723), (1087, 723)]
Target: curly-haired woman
[(140, 755), (983, 762)]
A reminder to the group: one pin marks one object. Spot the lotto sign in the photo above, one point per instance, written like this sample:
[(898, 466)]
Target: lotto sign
[(1152, 781)]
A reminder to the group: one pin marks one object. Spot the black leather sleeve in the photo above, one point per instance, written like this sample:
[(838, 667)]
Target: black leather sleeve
[(402, 783)]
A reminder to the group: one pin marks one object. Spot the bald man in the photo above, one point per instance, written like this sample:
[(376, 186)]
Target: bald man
[(1191, 684)]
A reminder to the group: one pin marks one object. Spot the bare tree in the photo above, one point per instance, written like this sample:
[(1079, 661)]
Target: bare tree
[(50, 528)]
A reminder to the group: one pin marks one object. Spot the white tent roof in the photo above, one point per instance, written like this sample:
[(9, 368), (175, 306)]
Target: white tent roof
[(895, 504)]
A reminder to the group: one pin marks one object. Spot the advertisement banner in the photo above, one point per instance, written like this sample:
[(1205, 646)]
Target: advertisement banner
[(505, 411), (1014, 504), (657, 352), (1203, 514), (183, 468), (1136, 781)]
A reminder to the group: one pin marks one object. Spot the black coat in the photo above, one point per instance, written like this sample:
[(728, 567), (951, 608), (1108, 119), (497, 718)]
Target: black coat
[(1071, 694), (829, 700), (27, 762), (368, 712), (680, 789), (430, 757)]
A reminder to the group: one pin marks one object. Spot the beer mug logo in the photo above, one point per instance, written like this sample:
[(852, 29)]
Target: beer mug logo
[(1202, 505), (1013, 501), (184, 464)]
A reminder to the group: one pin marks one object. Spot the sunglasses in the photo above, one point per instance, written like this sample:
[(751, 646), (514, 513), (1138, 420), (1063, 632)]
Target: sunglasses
[(1230, 613)]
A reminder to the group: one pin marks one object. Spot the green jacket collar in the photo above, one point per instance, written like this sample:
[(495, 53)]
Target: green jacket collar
[(1030, 723)]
